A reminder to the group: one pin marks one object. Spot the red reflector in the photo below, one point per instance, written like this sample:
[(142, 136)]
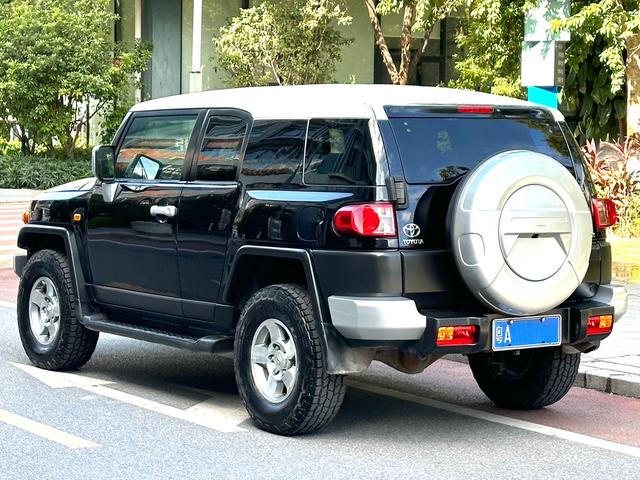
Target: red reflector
[(459, 335), (475, 109), (599, 324), (604, 212), (366, 220)]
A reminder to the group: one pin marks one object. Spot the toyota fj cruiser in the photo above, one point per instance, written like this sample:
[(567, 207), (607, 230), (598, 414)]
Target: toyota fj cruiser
[(311, 230)]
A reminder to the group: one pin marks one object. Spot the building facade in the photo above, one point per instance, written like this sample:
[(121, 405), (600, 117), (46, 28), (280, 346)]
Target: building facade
[(181, 32)]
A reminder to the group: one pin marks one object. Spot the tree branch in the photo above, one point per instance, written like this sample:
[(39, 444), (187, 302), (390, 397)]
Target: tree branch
[(380, 41)]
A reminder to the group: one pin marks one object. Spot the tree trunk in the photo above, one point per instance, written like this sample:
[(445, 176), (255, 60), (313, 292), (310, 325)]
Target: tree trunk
[(405, 43), (633, 84), (381, 42)]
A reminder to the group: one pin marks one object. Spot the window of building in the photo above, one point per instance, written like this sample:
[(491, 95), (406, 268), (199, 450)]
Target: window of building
[(339, 152), (274, 153), (154, 147), (219, 156)]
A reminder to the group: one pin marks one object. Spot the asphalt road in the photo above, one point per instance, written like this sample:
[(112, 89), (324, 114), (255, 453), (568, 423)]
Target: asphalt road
[(139, 411)]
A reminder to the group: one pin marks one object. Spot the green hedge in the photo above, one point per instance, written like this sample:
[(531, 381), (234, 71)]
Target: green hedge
[(40, 173)]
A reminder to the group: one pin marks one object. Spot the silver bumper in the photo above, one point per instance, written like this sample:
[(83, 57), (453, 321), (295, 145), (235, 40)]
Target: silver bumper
[(377, 318), (614, 295), (397, 318)]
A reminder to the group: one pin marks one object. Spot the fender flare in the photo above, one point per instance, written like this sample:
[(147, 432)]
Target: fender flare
[(25, 239), (340, 358)]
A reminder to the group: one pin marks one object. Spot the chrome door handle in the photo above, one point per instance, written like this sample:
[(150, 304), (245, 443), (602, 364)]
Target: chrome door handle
[(167, 211)]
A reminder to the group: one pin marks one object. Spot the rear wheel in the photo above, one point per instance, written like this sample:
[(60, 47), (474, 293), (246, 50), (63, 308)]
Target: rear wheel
[(279, 363), (525, 379), (48, 321)]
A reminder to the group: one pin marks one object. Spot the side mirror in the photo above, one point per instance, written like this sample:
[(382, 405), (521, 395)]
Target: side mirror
[(103, 162)]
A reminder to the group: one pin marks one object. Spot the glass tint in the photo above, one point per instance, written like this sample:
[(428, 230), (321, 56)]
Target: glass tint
[(220, 153), (339, 152), (442, 149), (160, 141), (275, 152)]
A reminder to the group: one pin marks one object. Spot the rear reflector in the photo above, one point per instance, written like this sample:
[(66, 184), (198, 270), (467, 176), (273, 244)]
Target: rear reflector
[(599, 324), (604, 212), (459, 335), (475, 109), (366, 220)]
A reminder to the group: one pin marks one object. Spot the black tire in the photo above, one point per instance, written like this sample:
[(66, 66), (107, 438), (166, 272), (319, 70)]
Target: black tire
[(316, 396), (74, 344), (525, 380)]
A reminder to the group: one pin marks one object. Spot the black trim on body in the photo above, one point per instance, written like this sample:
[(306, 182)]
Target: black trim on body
[(72, 252)]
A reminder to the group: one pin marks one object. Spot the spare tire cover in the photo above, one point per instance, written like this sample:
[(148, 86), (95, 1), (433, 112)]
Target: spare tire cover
[(521, 232)]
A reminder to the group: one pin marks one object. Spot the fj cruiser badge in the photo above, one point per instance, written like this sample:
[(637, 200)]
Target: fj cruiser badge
[(412, 231)]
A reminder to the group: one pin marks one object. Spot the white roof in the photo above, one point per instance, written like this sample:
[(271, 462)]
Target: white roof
[(327, 101)]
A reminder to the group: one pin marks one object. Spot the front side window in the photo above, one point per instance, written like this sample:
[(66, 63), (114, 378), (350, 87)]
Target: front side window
[(219, 156), (154, 147), (339, 152), (275, 153)]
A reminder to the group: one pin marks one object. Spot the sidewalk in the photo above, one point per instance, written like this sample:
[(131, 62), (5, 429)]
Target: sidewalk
[(615, 366), (11, 195)]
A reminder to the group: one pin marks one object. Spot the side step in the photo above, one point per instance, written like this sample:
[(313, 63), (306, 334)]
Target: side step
[(208, 344)]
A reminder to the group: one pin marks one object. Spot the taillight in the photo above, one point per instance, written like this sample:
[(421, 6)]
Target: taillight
[(599, 324), (458, 335), (604, 212), (366, 220), (475, 109)]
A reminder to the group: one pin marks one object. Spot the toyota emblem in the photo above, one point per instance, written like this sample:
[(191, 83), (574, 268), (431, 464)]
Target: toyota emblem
[(411, 230)]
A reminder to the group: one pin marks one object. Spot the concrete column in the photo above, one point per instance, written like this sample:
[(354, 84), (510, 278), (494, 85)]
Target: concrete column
[(195, 78), (137, 34)]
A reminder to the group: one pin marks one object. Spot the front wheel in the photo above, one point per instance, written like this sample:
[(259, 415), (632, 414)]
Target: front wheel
[(525, 379), (279, 363), (48, 320)]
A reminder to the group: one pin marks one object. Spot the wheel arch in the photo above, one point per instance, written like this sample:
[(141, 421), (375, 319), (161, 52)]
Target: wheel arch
[(339, 357), (34, 238)]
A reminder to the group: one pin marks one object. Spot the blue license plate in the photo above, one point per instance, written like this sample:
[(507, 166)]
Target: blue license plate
[(517, 333)]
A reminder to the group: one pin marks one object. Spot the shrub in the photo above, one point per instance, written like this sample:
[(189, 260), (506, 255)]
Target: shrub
[(39, 173), (609, 164)]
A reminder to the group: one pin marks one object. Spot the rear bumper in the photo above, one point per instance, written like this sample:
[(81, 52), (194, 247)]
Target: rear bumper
[(386, 321)]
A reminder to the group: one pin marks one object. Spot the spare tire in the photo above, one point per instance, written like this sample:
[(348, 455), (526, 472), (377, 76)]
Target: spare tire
[(521, 232)]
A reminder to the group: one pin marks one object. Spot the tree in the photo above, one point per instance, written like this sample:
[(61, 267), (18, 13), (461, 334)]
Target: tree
[(490, 40), (604, 58), (59, 68), (284, 41), (417, 15)]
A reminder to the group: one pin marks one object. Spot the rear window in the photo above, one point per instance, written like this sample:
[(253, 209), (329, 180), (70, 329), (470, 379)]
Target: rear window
[(440, 149)]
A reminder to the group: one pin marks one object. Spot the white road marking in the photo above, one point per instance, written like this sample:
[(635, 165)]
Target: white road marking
[(4, 304), (207, 414), (492, 417), (45, 431)]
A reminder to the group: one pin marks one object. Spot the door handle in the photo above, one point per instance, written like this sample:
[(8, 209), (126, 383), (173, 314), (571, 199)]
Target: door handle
[(168, 211)]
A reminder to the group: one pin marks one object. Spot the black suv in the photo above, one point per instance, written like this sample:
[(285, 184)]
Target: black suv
[(310, 230)]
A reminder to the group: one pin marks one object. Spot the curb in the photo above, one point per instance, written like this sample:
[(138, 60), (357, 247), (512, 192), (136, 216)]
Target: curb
[(601, 380)]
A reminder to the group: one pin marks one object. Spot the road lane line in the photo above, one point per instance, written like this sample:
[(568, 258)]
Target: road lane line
[(4, 304), (494, 418), (45, 431), (205, 414)]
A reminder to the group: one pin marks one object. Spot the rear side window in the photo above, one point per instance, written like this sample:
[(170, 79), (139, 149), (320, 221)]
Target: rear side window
[(220, 153), (154, 147), (339, 152), (275, 153), (440, 149)]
